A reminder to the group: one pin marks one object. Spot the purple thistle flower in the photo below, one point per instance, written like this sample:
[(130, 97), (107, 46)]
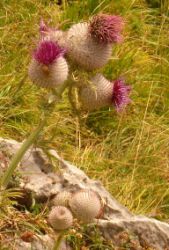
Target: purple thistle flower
[(120, 95), (106, 28), (47, 52)]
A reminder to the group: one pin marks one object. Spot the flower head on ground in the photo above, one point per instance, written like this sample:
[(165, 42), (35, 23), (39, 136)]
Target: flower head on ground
[(60, 218), (86, 205)]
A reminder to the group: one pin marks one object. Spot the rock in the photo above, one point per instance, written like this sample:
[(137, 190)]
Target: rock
[(151, 232), (40, 242), (38, 177)]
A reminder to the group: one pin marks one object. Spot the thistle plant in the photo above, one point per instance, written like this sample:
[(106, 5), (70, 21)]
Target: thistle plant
[(84, 47)]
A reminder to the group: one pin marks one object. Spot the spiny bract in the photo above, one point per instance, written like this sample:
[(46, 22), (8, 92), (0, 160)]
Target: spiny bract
[(102, 93)]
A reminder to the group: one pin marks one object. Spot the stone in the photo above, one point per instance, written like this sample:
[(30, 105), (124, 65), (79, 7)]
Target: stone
[(40, 242)]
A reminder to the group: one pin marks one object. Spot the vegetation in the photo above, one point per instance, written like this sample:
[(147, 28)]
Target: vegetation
[(127, 152)]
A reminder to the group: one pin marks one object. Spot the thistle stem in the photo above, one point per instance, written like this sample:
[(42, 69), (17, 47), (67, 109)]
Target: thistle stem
[(18, 156), (58, 241), (27, 143)]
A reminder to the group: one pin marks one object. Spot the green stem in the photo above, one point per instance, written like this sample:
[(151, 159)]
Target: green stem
[(58, 241), (18, 156), (27, 143)]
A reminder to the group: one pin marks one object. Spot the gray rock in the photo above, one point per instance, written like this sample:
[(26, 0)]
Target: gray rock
[(151, 232), (38, 177), (40, 242)]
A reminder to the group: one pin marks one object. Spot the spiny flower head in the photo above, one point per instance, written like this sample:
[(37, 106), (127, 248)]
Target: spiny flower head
[(48, 68), (96, 95), (106, 28), (83, 50), (85, 205), (102, 93), (47, 52), (60, 218), (120, 95)]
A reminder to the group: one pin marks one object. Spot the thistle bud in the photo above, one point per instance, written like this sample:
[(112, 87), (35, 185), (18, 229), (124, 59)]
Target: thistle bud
[(48, 68), (85, 205), (53, 34), (84, 50), (60, 218), (101, 93)]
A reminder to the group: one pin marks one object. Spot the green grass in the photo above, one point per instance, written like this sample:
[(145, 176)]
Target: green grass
[(128, 152)]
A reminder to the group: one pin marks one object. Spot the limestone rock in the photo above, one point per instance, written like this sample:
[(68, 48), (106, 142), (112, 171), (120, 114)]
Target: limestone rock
[(40, 242)]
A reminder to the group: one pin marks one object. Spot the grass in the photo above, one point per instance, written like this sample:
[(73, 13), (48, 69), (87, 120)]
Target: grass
[(128, 152)]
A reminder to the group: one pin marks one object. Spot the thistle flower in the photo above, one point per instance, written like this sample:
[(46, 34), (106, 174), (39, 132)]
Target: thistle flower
[(61, 199), (106, 28), (103, 93), (85, 205), (120, 97), (48, 67), (47, 52), (60, 218), (84, 50)]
